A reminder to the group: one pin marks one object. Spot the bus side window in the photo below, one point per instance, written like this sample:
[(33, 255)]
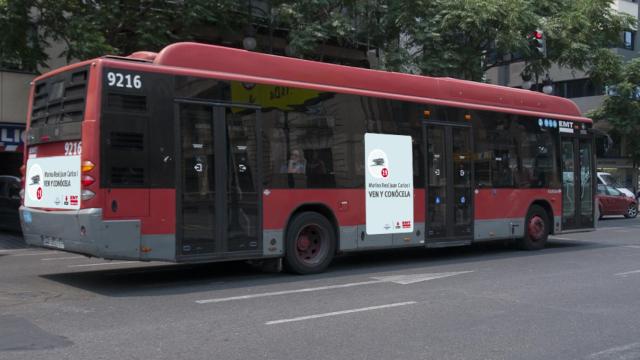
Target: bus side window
[(317, 146)]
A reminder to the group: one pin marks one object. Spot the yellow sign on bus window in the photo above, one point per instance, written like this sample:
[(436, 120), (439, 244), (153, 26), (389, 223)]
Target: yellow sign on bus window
[(270, 96)]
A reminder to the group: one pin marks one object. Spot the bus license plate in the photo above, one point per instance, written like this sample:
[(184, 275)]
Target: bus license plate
[(53, 242)]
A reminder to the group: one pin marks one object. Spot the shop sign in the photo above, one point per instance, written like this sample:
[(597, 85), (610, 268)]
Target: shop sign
[(11, 137)]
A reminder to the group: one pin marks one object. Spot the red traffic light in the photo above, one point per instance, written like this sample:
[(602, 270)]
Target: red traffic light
[(537, 34)]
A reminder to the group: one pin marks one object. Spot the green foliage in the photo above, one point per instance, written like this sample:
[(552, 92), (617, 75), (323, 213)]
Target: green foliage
[(622, 108), (93, 28), (458, 38), (21, 47), (581, 30), (464, 38), (456, 35), (315, 22)]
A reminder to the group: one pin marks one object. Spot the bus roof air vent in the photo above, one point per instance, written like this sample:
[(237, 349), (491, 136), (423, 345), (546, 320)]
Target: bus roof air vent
[(143, 55)]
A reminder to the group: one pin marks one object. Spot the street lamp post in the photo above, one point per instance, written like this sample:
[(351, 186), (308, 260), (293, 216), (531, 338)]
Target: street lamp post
[(249, 41), (547, 85)]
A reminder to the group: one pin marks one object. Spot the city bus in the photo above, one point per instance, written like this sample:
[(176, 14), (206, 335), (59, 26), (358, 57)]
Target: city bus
[(202, 153)]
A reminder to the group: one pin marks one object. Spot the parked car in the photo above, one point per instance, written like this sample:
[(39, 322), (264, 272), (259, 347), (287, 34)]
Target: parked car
[(9, 202), (613, 202), (608, 179)]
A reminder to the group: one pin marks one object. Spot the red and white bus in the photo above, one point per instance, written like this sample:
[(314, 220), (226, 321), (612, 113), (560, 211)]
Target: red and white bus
[(205, 153)]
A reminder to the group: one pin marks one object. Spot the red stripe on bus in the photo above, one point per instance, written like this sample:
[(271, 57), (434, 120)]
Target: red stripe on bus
[(513, 203), (489, 204), (280, 203)]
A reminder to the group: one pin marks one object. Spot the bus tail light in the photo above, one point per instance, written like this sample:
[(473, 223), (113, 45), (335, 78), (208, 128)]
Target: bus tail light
[(87, 166), (87, 180), (87, 195)]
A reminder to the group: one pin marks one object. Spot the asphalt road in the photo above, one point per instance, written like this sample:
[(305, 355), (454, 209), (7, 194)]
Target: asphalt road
[(577, 299)]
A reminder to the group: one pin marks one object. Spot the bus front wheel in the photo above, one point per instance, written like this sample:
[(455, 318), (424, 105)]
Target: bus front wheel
[(310, 244), (536, 229)]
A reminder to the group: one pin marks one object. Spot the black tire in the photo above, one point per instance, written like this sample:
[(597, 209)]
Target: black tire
[(536, 229), (632, 211), (310, 244)]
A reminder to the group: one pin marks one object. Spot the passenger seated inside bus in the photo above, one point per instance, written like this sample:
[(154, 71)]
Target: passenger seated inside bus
[(296, 164)]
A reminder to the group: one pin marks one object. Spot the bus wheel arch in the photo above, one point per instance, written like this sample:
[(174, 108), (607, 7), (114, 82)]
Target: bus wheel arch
[(310, 239)]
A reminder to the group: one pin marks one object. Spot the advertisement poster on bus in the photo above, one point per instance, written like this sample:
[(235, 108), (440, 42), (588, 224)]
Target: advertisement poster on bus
[(53, 182), (389, 183)]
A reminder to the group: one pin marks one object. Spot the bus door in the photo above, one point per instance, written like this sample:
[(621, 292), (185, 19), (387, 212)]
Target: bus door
[(578, 185), (218, 207), (449, 191)]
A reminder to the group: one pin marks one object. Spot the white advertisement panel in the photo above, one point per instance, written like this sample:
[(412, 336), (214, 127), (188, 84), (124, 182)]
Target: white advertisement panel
[(389, 183), (53, 182)]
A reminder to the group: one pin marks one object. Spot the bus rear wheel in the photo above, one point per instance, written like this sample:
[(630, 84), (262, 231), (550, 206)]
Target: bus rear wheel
[(310, 244), (536, 229)]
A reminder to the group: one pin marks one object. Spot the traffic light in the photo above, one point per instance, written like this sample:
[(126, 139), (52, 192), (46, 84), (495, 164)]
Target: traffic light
[(538, 42)]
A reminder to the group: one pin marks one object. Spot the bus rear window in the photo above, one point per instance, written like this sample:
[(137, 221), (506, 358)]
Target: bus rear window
[(60, 98), (57, 91)]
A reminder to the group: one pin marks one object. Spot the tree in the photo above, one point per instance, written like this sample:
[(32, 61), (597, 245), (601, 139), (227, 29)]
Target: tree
[(621, 108), (464, 38), (21, 47), (579, 35), (93, 28), (458, 38)]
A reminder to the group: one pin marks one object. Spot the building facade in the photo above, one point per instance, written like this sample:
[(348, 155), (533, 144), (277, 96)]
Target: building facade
[(14, 100), (576, 85)]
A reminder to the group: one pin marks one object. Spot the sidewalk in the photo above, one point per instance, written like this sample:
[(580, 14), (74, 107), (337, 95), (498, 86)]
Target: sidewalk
[(11, 240)]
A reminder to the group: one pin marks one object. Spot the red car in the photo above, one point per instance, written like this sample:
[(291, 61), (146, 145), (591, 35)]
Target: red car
[(613, 202)]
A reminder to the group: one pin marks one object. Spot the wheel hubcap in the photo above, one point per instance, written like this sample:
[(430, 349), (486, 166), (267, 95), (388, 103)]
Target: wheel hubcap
[(311, 244), (303, 243), (632, 211), (536, 228)]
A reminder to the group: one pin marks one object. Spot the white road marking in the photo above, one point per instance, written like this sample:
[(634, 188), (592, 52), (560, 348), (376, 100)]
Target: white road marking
[(64, 258), (37, 253), (336, 313), (410, 279), (285, 292), (561, 238), (11, 251), (397, 279), (632, 246), (630, 351), (103, 264), (628, 273)]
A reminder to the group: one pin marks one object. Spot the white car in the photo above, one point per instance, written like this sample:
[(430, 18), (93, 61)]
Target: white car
[(608, 179)]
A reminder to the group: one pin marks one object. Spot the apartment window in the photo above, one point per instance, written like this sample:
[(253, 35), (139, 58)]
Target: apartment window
[(577, 88), (628, 40)]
